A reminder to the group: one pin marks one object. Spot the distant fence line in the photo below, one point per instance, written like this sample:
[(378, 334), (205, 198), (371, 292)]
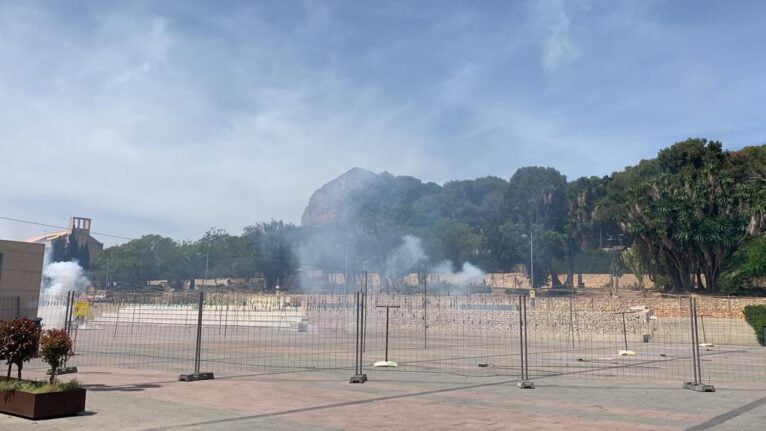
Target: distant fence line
[(498, 280)]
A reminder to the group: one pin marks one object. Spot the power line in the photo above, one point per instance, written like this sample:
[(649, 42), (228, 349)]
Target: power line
[(314, 265), (62, 227)]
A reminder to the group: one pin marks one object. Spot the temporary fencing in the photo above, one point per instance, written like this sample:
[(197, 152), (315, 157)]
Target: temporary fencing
[(517, 336)]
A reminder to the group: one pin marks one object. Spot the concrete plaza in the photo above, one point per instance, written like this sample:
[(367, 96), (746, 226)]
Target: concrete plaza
[(121, 399)]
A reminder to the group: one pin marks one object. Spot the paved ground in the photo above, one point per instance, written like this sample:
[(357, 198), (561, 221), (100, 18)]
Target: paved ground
[(146, 400)]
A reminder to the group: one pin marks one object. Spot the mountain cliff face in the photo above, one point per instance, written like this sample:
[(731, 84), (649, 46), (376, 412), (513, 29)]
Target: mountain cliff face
[(326, 205)]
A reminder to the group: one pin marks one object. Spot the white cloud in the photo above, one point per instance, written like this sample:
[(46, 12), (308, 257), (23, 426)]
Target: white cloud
[(558, 45)]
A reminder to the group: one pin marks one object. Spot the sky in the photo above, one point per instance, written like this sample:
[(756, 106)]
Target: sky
[(171, 117)]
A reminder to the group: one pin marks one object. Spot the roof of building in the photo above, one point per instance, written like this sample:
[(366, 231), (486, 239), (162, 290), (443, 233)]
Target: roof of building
[(50, 236)]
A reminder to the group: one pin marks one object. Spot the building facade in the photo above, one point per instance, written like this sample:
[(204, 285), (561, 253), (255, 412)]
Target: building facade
[(21, 268), (60, 242)]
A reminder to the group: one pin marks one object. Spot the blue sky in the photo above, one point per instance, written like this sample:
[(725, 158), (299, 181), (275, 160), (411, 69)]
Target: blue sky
[(171, 117)]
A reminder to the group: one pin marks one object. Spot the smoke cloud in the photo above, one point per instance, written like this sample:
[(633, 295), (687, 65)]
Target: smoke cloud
[(61, 277), (467, 274), (407, 257)]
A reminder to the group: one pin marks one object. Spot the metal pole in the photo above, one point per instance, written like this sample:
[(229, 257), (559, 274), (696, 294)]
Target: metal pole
[(425, 312), (18, 307), (521, 338), (358, 333), (694, 342), (386, 334), (198, 349), (571, 320), (346, 273), (624, 331), (526, 346), (697, 384), (364, 314), (207, 256), (698, 378), (524, 382), (68, 313), (531, 260), (358, 376)]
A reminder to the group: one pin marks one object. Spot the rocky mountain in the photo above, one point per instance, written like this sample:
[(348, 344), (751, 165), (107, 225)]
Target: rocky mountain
[(327, 204)]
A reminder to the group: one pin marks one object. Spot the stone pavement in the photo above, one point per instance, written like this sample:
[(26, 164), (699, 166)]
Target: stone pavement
[(121, 399)]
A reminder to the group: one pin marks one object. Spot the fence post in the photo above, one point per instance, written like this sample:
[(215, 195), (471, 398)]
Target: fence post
[(364, 317), (65, 368), (697, 384), (197, 348), (68, 312), (524, 382), (425, 312), (359, 376)]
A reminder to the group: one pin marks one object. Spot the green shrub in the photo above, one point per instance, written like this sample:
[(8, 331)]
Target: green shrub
[(755, 315), (19, 339), (55, 348), (37, 387)]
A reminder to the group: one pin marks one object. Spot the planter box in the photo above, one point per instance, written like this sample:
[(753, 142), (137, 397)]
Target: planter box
[(42, 406)]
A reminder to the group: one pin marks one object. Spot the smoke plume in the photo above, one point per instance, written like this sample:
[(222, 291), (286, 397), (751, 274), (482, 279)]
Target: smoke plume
[(61, 277)]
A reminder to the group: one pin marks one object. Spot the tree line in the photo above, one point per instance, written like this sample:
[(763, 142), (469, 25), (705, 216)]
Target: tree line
[(691, 219)]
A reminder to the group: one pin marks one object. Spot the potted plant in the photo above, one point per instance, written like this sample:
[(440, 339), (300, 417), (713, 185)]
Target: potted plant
[(19, 339), (55, 349), (32, 399)]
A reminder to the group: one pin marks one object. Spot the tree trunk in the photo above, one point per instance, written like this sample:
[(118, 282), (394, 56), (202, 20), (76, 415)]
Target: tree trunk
[(18, 367), (10, 364), (570, 266), (555, 282), (680, 271)]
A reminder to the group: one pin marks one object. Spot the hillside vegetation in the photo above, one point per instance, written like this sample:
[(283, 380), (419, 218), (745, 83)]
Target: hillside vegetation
[(692, 219)]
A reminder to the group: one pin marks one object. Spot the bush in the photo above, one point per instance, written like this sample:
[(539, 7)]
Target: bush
[(755, 315), (19, 339), (36, 387), (56, 347)]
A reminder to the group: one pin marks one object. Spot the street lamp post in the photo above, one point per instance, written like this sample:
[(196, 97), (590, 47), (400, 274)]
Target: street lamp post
[(346, 275), (207, 256)]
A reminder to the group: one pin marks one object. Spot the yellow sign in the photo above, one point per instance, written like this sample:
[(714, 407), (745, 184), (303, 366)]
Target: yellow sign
[(531, 293), (81, 309)]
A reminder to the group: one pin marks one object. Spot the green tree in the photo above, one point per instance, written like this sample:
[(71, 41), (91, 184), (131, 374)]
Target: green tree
[(536, 202), (692, 214), (636, 262), (271, 245), (745, 267), (151, 257)]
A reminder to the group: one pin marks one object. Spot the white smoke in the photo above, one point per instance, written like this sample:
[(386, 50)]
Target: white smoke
[(468, 273), (406, 257), (61, 277)]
